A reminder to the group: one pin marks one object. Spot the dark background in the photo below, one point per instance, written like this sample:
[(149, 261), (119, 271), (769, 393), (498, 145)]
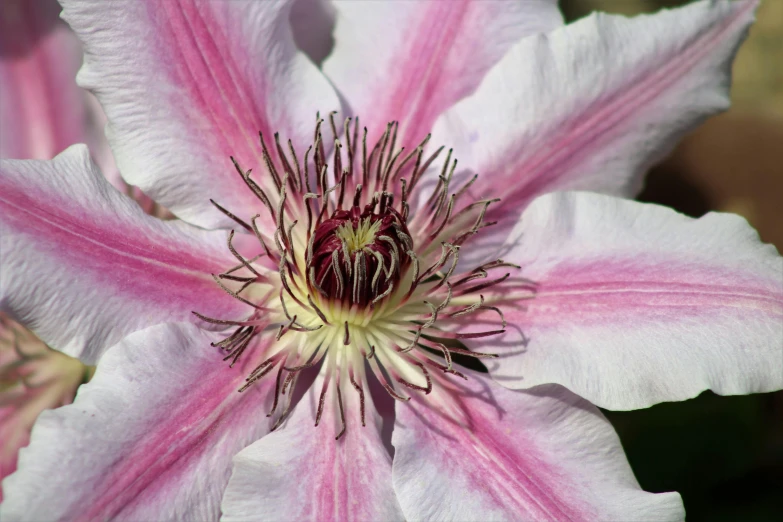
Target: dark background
[(723, 454)]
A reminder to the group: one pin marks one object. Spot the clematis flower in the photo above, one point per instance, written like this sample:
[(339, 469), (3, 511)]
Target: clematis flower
[(343, 275)]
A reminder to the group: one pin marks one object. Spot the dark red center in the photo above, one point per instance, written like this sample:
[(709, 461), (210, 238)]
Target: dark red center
[(358, 256)]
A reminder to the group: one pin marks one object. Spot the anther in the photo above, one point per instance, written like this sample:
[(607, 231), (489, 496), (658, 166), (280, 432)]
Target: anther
[(342, 410), (231, 216), (360, 390)]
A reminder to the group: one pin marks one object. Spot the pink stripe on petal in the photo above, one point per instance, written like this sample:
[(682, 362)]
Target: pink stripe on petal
[(594, 104), (300, 472), (83, 265), (608, 290), (410, 61), (476, 451), (636, 304), (187, 84), (151, 437)]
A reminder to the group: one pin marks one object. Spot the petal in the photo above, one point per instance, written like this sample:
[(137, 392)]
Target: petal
[(150, 437), (187, 84), (300, 472), (410, 61), (636, 304), (83, 265), (592, 105), (42, 108), (476, 451)]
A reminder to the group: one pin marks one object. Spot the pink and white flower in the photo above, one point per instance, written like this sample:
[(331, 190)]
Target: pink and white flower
[(339, 279)]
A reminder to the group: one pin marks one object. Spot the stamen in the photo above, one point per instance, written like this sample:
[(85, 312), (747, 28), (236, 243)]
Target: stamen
[(298, 168), (235, 295), (486, 285), (417, 173), (476, 355), (365, 166), (239, 257), (360, 390), (287, 408), (337, 272), (277, 390), (270, 166), (426, 389), (342, 411), (238, 279), (232, 216), (498, 311), (394, 394), (259, 373), (414, 342), (476, 335), (388, 291), (449, 208), (259, 237), (317, 310), (322, 397), (379, 268), (361, 265), (227, 322), (287, 170), (241, 265)]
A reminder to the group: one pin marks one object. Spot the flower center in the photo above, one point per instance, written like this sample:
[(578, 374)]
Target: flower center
[(358, 255), (356, 235), (355, 290)]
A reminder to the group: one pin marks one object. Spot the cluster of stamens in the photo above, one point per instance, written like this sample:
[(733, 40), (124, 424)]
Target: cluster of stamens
[(354, 288)]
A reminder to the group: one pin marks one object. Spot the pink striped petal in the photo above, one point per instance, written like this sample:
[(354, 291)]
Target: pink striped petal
[(410, 61), (42, 108), (592, 105), (476, 451), (300, 472), (187, 84), (150, 437), (83, 265), (637, 304)]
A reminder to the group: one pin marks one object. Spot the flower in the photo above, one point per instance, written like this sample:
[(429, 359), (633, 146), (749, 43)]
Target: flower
[(621, 303)]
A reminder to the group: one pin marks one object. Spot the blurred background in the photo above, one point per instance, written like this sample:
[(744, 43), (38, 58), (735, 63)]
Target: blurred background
[(723, 454)]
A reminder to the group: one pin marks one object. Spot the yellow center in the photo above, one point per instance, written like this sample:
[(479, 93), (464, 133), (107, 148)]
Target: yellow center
[(359, 237)]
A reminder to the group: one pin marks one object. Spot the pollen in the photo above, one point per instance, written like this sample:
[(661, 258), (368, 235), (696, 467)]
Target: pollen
[(356, 292)]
